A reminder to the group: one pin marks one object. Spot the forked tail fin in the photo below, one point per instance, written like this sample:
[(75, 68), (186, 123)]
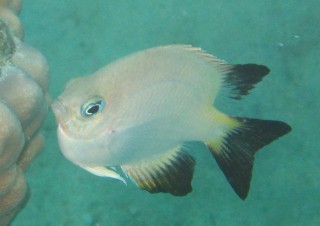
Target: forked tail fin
[(235, 152)]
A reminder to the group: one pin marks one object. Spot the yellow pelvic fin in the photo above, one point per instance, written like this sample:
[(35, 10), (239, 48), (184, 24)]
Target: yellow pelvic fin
[(102, 171), (171, 172)]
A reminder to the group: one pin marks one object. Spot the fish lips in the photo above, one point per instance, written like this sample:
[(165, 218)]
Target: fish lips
[(59, 111)]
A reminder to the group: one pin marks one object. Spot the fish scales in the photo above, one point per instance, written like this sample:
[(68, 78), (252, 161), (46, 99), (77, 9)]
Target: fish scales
[(139, 111)]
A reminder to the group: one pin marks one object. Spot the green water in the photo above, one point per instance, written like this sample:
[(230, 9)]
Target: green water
[(80, 36)]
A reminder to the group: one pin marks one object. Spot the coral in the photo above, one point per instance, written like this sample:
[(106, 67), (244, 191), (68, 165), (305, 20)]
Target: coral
[(24, 101)]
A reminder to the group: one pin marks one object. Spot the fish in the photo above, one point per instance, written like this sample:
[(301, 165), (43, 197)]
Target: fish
[(133, 119)]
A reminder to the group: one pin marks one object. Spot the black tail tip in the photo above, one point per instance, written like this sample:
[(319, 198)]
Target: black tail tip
[(235, 158)]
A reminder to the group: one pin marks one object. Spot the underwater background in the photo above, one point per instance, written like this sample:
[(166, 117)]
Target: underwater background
[(79, 36)]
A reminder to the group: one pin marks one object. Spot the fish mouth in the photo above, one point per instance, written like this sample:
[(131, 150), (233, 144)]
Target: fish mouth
[(59, 111)]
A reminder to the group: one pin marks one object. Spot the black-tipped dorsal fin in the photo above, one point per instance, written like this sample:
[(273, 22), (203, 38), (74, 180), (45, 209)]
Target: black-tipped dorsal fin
[(171, 172), (202, 54), (234, 153), (241, 78)]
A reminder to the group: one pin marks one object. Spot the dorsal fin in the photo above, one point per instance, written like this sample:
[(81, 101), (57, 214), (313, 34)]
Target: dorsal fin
[(171, 172), (202, 54), (239, 78)]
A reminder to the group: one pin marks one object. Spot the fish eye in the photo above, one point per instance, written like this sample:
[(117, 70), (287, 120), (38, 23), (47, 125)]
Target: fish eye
[(92, 108)]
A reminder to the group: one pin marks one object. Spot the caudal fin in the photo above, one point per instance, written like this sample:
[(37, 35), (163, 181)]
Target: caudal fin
[(235, 152)]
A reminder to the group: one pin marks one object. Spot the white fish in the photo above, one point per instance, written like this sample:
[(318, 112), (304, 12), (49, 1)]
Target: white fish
[(139, 111)]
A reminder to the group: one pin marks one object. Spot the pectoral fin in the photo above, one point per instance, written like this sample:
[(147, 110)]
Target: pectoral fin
[(102, 171), (171, 172)]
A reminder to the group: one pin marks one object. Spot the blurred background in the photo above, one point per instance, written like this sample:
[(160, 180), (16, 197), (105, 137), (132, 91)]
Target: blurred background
[(79, 36)]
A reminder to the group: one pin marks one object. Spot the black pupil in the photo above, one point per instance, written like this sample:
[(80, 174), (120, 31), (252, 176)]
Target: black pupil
[(93, 109)]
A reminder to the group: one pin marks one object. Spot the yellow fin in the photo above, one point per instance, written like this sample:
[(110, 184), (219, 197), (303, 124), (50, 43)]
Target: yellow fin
[(171, 172)]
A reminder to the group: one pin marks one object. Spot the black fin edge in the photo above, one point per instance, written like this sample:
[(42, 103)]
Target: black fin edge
[(172, 176)]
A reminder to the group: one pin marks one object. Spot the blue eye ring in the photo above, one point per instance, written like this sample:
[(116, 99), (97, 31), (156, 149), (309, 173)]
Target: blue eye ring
[(92, 108)]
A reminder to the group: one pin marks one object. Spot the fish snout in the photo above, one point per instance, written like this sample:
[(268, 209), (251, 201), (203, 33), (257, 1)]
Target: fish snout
[(59, 111)]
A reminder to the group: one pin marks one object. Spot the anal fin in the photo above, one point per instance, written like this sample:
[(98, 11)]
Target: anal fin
[(234, 153), (171, 172)]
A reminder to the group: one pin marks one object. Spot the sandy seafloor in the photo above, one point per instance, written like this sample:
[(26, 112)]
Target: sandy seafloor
[(80, 36)]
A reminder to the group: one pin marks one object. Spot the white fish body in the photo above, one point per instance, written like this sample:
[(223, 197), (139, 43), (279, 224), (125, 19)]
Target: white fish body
[(138, 111)]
